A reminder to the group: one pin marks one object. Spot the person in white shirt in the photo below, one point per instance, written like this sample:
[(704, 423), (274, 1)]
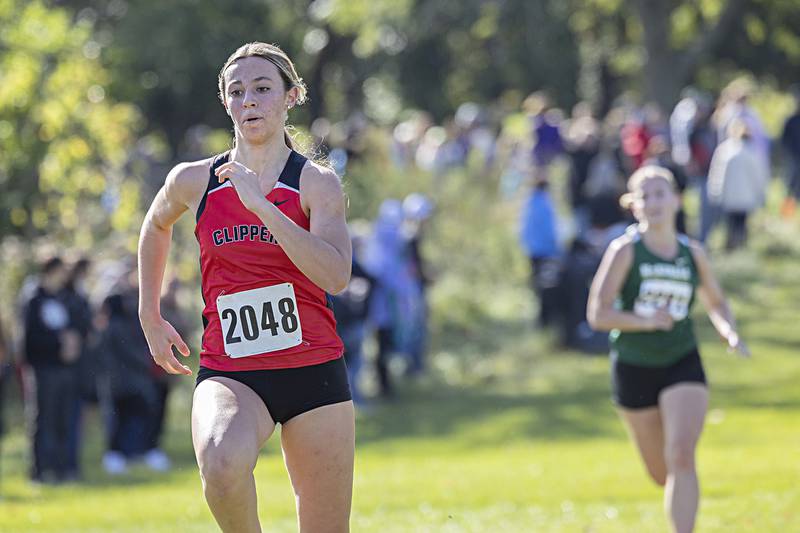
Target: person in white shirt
[(737, 181)]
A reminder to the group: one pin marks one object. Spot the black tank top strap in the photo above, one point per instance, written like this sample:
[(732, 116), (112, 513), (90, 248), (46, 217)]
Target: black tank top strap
[(213, 182), (291, 172)]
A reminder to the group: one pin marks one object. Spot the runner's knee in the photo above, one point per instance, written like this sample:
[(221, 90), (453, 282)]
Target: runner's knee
[(221, 469), (679, 456)]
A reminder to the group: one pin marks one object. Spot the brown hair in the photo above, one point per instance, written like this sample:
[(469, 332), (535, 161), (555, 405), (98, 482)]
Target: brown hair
[(641, 175), (277, 57)]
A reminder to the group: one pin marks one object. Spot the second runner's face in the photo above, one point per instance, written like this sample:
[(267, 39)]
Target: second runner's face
[(256, 99), (655, 202)]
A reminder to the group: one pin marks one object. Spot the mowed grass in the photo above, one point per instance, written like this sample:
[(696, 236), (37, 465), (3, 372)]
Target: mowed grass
[(508, 435)]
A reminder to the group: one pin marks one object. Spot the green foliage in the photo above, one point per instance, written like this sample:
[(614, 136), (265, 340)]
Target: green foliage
[(684, 25), (701, 36), (345, 50), (471, 241), (370, 21), (488, 48), (63, 141), (384, 56), (773, 107), (482, 271)]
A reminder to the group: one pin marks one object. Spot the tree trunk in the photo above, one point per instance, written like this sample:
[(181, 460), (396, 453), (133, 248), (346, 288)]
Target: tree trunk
[(662, 83), (666, 70), (339, 47)]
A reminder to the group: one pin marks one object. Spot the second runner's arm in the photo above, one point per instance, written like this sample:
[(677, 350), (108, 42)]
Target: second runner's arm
[(719, 312), (606, 286)]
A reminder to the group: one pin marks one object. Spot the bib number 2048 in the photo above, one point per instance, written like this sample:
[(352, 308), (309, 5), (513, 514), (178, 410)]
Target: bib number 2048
[(259, 320)]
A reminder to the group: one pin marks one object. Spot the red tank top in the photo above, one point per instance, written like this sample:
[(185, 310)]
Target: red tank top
[(239, 254)]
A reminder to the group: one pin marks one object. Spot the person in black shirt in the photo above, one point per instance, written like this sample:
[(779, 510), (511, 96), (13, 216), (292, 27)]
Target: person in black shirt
[(74, 297), (50, 350), (128, 377)]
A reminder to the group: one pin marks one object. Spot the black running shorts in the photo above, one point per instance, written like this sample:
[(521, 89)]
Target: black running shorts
[(288, 392), (638, 387)]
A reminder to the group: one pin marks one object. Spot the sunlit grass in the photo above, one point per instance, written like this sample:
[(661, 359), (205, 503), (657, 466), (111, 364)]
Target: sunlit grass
[(533, 447)]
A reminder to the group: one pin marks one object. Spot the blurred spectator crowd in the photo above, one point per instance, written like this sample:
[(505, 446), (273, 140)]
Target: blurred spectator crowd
[(568, 170), (75, 326), (80, 350)]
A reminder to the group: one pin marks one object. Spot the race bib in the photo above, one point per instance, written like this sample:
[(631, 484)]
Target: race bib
[(259, 320), (673, 296)]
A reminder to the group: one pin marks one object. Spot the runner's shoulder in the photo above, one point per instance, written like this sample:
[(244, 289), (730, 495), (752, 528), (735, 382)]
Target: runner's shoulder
[(319, 181), (622, 245), (697, 250), (187, 181)]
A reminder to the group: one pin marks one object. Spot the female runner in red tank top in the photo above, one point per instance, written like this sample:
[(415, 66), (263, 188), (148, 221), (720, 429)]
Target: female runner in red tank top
[(273, 241)]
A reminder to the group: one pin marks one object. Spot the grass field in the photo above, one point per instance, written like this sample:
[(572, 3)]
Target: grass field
[(507, 436)]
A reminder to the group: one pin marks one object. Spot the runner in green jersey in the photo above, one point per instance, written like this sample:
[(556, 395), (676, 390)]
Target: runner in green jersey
[(643, 292), (655, 283)]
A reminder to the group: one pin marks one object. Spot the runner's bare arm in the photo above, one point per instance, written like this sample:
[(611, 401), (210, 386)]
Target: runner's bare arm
[(606, 286), (182, 190), (713, 299), (324, 253)]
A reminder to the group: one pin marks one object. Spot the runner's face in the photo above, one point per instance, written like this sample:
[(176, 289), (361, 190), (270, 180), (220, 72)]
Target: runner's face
[(655, 202), (256, 99)]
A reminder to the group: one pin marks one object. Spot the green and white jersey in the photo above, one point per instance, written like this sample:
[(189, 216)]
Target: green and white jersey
[(652, 283)]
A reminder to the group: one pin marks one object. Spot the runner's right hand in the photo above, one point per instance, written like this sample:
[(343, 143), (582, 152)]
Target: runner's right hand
[(161, 337), (660, 320)]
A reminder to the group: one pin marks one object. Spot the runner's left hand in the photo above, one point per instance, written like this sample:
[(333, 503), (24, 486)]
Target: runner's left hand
[(737, 345)]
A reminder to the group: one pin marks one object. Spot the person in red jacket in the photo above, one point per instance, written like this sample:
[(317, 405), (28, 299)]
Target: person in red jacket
[(273, 244)]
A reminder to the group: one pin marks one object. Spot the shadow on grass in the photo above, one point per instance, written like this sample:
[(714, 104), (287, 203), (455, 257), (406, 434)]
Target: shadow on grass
[(786, 343), (444, 412), (452, 336), (774, 395), (499, 407)]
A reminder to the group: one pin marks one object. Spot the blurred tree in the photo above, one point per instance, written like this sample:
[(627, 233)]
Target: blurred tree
[(165, 56), (489, 47), (384, 56), (661, 46), (673, 59), (64, 142)]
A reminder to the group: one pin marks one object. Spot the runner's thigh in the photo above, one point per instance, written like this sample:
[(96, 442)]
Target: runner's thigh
[(230, 423), (683, 407)]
